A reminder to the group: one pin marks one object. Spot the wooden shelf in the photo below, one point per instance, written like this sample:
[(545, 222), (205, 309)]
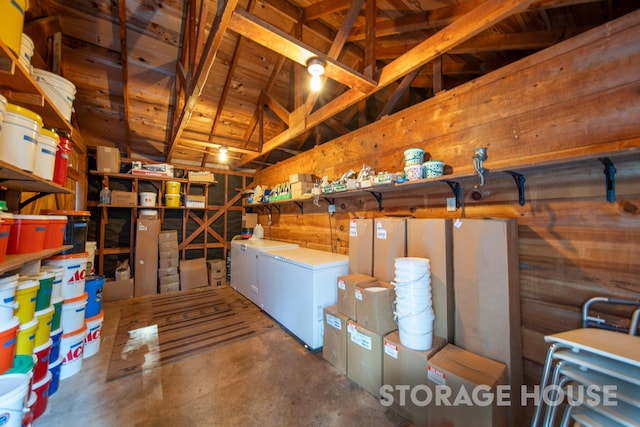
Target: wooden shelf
[(12, 262), (22, 89), (149, 178), (17, 179)]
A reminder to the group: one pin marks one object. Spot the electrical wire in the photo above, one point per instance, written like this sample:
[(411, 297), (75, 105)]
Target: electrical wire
[(331, 233)]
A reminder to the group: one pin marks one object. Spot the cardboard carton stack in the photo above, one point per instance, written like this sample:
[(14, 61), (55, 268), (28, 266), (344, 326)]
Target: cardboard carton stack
[(168, 261), (301, 184), (217, 272), (193, 273)]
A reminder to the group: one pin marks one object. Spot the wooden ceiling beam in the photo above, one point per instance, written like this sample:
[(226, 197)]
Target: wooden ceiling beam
[(273, 38), (216, 34), (124, 55), (482, 17), (326, 7), (397, 94), (282, 113)]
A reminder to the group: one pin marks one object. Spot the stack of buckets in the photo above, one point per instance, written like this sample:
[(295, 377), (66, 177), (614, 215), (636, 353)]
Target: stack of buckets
[(172, 194), (414, 309)]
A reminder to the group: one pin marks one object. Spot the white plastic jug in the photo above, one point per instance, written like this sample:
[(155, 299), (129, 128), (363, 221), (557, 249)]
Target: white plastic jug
[(258, 232)]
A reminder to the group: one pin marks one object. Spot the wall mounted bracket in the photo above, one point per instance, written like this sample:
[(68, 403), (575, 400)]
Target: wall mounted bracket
[(610, 183), (378, 196), (301, 206), (331, 201), (455, 187), (519, 179)]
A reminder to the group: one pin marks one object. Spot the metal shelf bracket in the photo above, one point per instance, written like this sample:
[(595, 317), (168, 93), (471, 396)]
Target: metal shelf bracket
[(378, 196), (455, 187), (610, 183), (519, 179), (301, 206)]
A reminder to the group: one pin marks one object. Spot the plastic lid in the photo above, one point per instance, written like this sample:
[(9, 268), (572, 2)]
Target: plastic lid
[(24, 283), (57, 218), (31, 217), (67, 213), (83, 329), (26, 326), (98, 316), (23, 111), (6, 215), (43, 346), (22, 364), (82, 297), (50, 134)]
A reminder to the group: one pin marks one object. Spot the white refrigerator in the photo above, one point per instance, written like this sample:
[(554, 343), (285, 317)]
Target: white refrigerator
[(244, 264), (296, 284)]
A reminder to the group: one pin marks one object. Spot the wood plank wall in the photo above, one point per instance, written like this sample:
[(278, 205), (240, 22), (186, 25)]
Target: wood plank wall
[(549, 116)]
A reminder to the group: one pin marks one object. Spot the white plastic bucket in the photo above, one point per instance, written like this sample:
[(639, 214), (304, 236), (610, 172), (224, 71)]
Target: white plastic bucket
[(147, 198), (20, 128), (416, 341), (8, 302), (412, 264), (72, 349), (73, 313), (3, 108), (59, 90), (75, 270), (26, 52), (149, 213), (94, 335), (46, 154), (13, 399), (90, 247)]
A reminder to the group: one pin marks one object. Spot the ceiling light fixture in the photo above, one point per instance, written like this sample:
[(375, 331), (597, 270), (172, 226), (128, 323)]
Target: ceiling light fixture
[(223, 154), (315, 66)]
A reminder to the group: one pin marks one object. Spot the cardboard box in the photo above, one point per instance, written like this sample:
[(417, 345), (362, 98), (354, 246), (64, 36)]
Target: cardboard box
[(455, 368), (166, 280), (193, 273), (361, 246), (302, 177), (334, 341), (168, 271), (168, 236), (194, 202), (108, 159), (346, 292), (487, 296), (364, 357), (146, 265), (249, 220), (155, 169), (389, 243), (217, 268), (172, 262), (200, 176), (402, 366), (433, 239), (114, 290), (169, 287), (375, 306), (300, 188), (171, 245), (124, 198)]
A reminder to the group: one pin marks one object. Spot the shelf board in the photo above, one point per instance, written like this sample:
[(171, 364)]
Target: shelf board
[(18, 179), (149, 178), (12, 262), (22, 89)]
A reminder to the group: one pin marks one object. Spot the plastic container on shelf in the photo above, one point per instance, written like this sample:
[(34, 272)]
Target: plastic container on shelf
[(46, 149), (8, 334), (43, 333), (73, 313), (54, 237), (62, 159), (6, 221), (27, 234), (58, 275), (26, 52), (147, 198), (73, 278), (172, 187), (43, 297), (59, 90), (57, 312), (26, 295), (105, 196), (75, 232), (12, 23), (8, 303), (172, 200), (26, 338), (20, 129)]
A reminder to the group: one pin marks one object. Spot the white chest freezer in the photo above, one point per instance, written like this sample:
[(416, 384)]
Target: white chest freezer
[(296, 284), (244, 264)]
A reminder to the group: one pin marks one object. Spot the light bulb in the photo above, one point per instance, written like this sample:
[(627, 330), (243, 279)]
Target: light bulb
[(316, 83), (223, 154)]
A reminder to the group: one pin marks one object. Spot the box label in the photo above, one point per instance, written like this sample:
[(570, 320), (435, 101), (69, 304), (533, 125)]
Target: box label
[(334, 321), (381, 233), (436, 375), (391, 349), (359, 294), (361, 339), (342, 285), (353, 229)]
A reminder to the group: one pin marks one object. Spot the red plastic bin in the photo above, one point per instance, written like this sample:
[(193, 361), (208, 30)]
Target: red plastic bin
[(27, 234), (54, 238), (6, 221), (62, 160)]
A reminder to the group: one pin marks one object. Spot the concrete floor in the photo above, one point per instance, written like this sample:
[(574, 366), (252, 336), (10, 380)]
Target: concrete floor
[(265, 380)]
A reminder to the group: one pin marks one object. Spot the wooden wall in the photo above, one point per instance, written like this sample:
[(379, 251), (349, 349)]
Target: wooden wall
[(549, 117)]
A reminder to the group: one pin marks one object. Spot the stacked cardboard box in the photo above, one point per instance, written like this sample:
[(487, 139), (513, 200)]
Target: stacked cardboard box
[(193, 273), (168, 264), (301, 183), (217, 272)]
